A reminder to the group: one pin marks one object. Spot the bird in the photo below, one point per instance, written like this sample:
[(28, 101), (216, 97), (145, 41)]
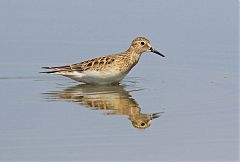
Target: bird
[(108, 69)]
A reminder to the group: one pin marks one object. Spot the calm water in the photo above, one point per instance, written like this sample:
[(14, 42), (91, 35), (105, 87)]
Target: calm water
[(187, 102)]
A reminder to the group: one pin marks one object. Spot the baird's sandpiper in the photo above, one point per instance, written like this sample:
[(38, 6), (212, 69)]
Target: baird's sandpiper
[(109, 69)]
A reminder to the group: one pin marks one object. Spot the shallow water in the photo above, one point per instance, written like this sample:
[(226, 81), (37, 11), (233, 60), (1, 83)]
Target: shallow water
[(187, 102)]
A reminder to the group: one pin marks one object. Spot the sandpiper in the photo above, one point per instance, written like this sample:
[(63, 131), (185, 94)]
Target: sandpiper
[(109, 69)]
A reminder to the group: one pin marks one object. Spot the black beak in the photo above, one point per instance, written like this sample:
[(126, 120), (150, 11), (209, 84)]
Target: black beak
[(155, 51), (156, 115)]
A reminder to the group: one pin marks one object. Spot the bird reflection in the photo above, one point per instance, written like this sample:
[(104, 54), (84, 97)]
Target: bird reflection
[(113, 98)]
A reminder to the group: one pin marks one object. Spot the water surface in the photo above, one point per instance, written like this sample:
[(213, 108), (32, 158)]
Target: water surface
[(187, 102)]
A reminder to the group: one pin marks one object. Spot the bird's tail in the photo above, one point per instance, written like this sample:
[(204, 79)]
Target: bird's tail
[(56, 69)]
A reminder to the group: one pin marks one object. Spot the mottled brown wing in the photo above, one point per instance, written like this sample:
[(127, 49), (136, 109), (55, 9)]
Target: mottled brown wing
[(96, 63)]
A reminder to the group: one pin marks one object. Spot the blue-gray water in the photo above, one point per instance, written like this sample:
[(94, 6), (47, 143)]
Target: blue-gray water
[(195, 87)]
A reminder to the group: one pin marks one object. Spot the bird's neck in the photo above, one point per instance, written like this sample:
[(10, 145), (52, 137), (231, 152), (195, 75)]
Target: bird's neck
[(133, 56), (131, 49)]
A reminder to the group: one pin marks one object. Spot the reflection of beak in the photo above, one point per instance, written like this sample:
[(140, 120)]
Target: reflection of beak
[(155, 115), (155, 51)]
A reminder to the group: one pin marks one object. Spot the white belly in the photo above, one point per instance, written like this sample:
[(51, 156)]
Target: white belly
[(97, 77)]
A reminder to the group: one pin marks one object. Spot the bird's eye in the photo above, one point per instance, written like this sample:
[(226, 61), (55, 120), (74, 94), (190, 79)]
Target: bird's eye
[(142, 43), (142, 124)]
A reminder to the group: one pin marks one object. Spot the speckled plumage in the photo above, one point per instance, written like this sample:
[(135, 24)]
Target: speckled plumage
[(109, 69)]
